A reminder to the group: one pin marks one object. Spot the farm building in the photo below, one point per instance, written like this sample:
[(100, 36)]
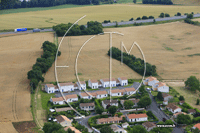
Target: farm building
[(93, 84), (150, 81), (136, 117), (161, 87)]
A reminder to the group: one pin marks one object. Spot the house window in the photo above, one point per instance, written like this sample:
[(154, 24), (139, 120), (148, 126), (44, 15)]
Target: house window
[(118, 93)]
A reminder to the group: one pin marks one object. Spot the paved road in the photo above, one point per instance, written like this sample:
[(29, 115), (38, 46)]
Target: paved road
[(119, 23), (135, 85), (160, 114), (84, 122)]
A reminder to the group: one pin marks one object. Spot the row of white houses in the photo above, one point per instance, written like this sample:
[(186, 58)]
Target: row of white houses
[(94, 84), (156, 85), (90, 95)]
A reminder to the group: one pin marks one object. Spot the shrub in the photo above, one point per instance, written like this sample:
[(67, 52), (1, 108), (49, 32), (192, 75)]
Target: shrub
[(190, 16), (178, 14), (144, 17), (131, 19), (138, 18), (167, 15), (162, 15), (151, 17)]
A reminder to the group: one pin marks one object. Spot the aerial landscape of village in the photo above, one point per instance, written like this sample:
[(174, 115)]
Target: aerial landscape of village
[(100, 66)]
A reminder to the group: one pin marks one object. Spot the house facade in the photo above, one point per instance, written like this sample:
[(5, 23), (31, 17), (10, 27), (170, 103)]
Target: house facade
[(66, 87), (149, 125), (123, 81), (61, 101), (105, 103), (136, 117), (150, 81), (49, 88), (58, 100), (109, 120), (173, 108), (117, 92), (100, 94), (108, 82), (161, 87), (81, 85), (129, 91), (63, 120), (166, 96), (71, 98), (87, 106), (93, 84)]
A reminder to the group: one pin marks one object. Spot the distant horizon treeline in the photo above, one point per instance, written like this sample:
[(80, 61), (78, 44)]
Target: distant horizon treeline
[(13, 4), (162, 2)]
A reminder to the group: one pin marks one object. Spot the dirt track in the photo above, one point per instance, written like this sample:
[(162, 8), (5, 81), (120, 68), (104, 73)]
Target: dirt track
[(17, 55)]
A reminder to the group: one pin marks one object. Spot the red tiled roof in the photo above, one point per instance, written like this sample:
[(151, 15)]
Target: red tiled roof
[(50, 85), (197, 126), (133, 116), (123, 78), (129, 89), (72, 128), (160, 84), (94, 81), (151, 78), (172, 106), (117, 90), (57, 99), (62, 118), (71, 96)]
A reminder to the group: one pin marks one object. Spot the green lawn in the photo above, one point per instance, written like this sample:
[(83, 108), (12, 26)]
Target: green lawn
[(154, 93), (45, 97)]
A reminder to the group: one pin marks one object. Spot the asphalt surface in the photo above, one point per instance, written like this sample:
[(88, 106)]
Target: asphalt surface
[(160, 114), (135, 85), (113, 24)]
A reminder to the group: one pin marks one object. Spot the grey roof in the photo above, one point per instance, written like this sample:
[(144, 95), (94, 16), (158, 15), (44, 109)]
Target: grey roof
[(108, 101)]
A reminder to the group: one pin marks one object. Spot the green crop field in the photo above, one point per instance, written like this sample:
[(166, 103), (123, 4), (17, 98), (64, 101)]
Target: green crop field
[(115, 12)]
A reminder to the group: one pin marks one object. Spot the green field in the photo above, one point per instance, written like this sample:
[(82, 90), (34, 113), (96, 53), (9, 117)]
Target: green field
[(115, 12)]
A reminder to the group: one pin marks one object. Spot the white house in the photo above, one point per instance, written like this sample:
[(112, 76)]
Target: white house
[(150, 81), (125, 125), (161, 87), (173, 108), (82, 85), (71, 98), (117, 92), (129, 91), (149, 125), (65, 87), (136, 117), (99, 94), (93, 84), (165, 102), (105, 103), (108, 82), (63, 121), (49, 88), (117, 128), (123, 81), (87, 106), (85, 95), (58, 100), (166, 96)]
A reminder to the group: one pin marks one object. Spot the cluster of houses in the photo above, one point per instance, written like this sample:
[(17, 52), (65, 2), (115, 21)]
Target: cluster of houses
[(94, 84), (156, 85), (90, 95)]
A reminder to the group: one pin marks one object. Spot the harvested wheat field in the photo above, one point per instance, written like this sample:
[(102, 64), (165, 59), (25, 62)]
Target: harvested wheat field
[(172, 47), (115, 12), (17, 55), (186, 2)]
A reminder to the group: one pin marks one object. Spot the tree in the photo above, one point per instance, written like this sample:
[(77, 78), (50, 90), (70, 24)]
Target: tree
[(162, 15), (151, 17), (138, 18), (128, 104), (51, 127), (167, 15), (190, 16), (144, 102), (197, 102), (112, 109), (178, 14), (138, 129), (144, 17), (106, 129), (183, 119), (181, 98), (192, 83), (135, 1), (159, 96), (99, 109)]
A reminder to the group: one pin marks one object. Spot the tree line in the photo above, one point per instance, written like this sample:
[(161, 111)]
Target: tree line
[(10, 4), (163, 2), (91, 29), (43, 64), (134, 63)]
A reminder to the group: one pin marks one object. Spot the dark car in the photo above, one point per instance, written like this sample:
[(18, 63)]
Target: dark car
[(164, 119)]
